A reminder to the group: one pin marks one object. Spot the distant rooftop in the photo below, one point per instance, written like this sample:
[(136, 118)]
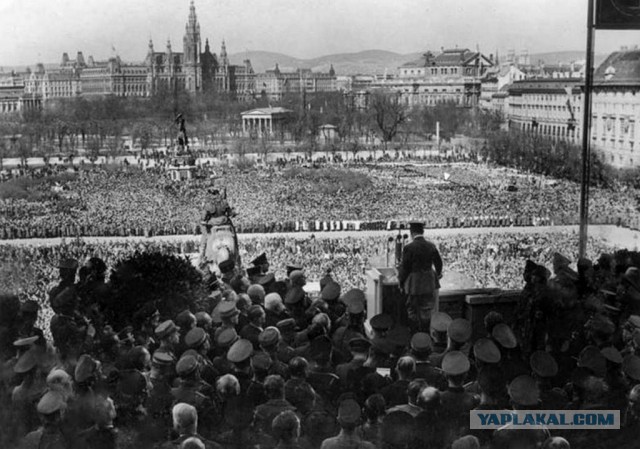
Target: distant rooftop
[(620, 68)]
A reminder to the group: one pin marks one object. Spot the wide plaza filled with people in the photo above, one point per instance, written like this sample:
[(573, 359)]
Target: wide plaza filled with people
[(135, 343), (121, 200)]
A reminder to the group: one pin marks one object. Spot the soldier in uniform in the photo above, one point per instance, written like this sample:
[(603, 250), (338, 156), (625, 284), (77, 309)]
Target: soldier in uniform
[(25, 396), (349, 417), (330, 294), (194, 391), (417, 279), (510, 361), (72, 334), (458, 334), (359, 349), (287, 328), (269, 339), (224, 340), (68, 268), (524, 395), (240, 355), (544, 369), (253, 274), (260, 365), (229, 314), (439, 325), (456, 402), (296, 299), (197, 339), (420, 349), (262, 264), (492, 388), (51, 408), (253, 329), (169, 336), (351, 324), (228, 270), (382, 348)]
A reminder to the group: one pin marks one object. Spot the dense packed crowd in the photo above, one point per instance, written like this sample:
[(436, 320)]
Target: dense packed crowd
[(101, 200), (491, 260), (261, 363)]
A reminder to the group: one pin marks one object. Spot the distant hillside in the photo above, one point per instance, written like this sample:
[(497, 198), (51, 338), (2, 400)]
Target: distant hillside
[(373, 61), (369, 61)]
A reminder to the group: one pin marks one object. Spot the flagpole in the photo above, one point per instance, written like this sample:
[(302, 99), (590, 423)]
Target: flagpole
[(586, 128)]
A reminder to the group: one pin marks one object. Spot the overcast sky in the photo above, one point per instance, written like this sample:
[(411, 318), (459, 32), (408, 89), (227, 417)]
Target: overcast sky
[(40, 30)]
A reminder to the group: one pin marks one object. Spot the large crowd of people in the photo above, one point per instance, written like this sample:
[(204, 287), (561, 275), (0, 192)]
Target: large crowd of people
[(120, 201), (261, 363), (491, 260)]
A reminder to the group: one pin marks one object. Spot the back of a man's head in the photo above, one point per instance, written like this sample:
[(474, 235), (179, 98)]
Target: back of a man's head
[(185, 418), (415, 386), (429, 399), (406, 367), (274, 386), (286, 426), (298, 367), (228, 386)]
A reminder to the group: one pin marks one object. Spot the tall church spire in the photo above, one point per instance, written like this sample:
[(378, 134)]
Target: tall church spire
[(191, 43), (223, 54)]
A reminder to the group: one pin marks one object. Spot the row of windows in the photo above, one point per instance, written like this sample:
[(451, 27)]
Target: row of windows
[(433, 71)]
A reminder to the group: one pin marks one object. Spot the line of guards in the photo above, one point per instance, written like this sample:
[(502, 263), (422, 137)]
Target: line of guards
[(14, 232)]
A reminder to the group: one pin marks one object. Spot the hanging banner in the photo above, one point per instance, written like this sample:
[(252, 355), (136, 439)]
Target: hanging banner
[(617, 15)]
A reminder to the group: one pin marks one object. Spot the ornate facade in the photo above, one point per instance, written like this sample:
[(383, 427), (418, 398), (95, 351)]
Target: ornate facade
[(196, 69), (275, 83), (193, 70), (453, 75)]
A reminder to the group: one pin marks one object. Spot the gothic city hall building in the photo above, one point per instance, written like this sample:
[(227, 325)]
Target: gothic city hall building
[(195, 69)]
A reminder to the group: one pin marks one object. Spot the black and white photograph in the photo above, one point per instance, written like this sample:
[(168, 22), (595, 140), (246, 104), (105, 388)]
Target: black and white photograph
[(320, 224)]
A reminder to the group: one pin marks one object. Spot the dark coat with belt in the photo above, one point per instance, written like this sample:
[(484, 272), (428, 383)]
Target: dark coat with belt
[(416, 275)]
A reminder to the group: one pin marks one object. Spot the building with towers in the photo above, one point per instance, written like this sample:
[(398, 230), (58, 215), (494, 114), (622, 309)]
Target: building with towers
[(196, 69)]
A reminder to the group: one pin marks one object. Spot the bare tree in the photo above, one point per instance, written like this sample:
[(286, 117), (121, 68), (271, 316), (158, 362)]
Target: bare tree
[(388, 113)]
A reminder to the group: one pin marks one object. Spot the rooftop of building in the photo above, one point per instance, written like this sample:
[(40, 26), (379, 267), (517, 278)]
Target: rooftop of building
[(447, 57), (620, 68), (267, 111)]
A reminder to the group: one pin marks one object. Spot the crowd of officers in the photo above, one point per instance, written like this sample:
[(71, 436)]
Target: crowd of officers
[(268, 367)]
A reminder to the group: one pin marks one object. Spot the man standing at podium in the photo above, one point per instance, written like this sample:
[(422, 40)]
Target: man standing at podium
[(417, 278)]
